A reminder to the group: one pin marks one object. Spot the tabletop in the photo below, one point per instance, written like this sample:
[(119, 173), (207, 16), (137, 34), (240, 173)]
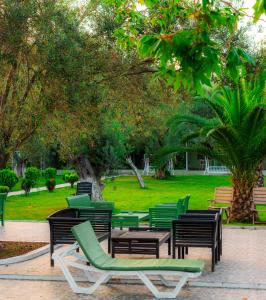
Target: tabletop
[(141, 216), (145, 235)]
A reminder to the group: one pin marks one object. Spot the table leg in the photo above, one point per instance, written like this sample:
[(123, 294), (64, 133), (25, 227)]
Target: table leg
[(169, 246), (157, 250)]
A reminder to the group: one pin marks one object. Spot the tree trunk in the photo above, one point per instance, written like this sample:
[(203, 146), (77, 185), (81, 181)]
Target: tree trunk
[(86, 173), (136, 172), (260, 176), (20, 168), (241, 210), (161, 173), (3, 160)]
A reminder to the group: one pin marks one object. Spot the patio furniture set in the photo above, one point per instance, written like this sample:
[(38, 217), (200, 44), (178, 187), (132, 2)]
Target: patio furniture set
[(86, 223)]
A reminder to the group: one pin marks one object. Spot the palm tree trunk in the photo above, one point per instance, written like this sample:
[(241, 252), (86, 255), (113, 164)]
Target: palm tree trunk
[(260, 176), (241, 209)]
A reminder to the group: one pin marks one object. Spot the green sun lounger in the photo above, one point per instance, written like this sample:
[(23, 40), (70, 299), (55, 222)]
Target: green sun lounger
[(102, 263)]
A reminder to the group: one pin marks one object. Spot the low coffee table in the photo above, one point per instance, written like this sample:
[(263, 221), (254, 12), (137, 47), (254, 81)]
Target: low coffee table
[(141, 242)]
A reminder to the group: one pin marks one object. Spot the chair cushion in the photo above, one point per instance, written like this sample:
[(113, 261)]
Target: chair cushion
[(91, 248)]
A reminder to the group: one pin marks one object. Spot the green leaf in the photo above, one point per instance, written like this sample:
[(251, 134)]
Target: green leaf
[(259, 9)]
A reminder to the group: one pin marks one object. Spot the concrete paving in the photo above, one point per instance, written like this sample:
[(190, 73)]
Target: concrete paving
[(38, 189), (243, 267), (25, 231)]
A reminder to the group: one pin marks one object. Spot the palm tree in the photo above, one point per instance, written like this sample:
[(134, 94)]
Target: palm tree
[(235, 135)]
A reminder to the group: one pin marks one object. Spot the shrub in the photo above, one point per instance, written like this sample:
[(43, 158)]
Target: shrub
[(71, 178), (50, 184), (50, 173), (8, 178), (4, 189), (32, 174), (26, 185)]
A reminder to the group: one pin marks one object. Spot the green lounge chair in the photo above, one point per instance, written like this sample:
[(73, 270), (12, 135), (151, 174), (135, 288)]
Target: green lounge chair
[(2, 206), (79, 201), (108, 267)]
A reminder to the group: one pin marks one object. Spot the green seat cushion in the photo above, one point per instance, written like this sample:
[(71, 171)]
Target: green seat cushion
[(93, 251), (162, 264), (79, 201)]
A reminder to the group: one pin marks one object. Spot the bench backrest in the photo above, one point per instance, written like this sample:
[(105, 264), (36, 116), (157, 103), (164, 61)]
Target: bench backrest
[(200, 232), (84, 187), (259, 195), (223, 194), (79, 201), (162, 217), (62, 221)]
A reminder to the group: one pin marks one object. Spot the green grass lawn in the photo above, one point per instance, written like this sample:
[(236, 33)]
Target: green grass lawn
[(40, 182), (125, 192)]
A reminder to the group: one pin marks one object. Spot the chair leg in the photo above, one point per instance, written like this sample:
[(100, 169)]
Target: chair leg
[(179, 252), (169, 246), (216, 255), (183, 252), (51, 253), (213, 259), (109, 244), (163, 295)]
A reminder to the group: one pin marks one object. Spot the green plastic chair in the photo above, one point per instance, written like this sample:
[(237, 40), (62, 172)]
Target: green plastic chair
[(162, 217), (101, 263), (3, 197), (186, 203), (79, 201), (125, 221), (179, 205)]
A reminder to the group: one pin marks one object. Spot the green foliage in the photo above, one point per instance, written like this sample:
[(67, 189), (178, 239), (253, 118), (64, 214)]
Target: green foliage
[(8, 178), (42, 46), (50, 173), (235, 133), (27, 184), (178, 35), (32, 174), (4, 189), (71, 178), (259, 9)]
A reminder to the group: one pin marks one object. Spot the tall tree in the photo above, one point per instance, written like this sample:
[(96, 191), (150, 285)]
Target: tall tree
[(39, 55)]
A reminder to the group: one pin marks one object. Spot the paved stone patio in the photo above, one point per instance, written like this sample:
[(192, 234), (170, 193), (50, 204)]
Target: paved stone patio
[(243, 264)]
